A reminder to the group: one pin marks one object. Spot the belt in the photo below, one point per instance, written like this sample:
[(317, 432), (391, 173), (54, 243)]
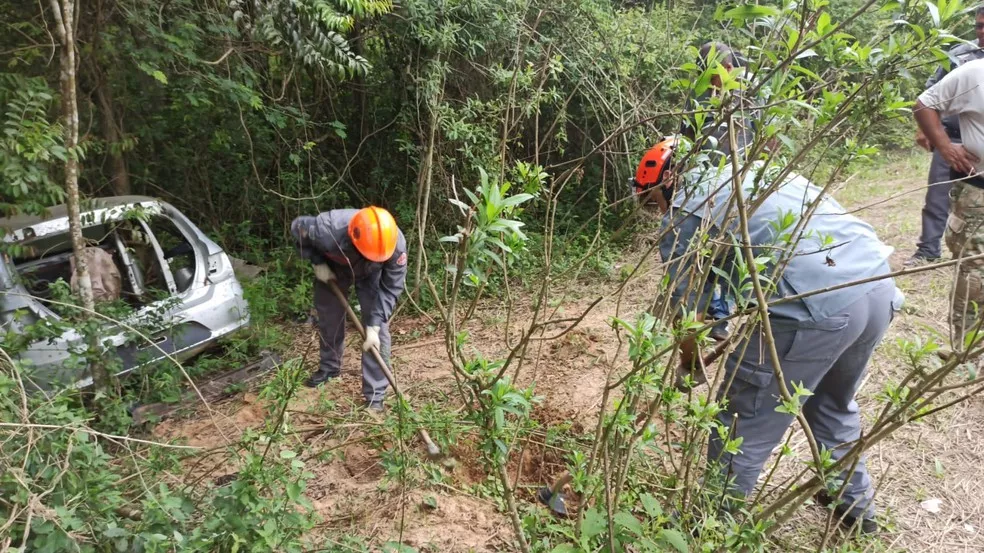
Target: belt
[(977, 181), (952, 128)]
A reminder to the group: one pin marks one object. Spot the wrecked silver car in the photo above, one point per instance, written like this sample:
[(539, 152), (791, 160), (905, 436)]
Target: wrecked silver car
[(178, 283)]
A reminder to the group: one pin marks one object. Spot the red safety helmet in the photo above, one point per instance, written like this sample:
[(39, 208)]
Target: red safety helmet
[(374, 233), (653, 164)]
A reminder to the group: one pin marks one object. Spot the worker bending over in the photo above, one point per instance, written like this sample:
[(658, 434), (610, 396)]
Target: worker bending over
[(823, 341), (366, 247)]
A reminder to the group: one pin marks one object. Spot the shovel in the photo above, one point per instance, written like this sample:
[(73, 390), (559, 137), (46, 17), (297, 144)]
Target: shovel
[(433, 452), (553, 496)]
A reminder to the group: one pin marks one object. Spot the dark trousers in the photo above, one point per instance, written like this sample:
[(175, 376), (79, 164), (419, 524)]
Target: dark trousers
[(331, 323), (935, 209)]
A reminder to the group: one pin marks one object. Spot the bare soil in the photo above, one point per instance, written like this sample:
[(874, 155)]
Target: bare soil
[(940, 458)]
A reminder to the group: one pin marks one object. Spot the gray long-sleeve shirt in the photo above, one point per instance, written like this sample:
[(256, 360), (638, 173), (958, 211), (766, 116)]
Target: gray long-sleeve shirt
[(325, 239), (835, 248)]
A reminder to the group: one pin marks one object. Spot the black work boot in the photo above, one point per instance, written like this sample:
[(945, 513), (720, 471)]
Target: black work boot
[(319, 377), (919, 259), (719, 332), (375, 407), (848, 521)]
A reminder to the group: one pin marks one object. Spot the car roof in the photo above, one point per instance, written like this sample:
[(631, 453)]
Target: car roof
[(60, 211)]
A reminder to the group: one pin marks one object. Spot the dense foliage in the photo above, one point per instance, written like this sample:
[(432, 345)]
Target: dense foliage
[(501, 134), (245, 114)]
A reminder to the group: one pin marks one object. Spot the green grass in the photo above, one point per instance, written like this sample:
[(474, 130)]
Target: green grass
[(880, 178)]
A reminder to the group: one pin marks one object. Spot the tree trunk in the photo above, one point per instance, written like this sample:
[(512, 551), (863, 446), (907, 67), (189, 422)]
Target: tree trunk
[(425, 177), (112, 128), (358, 47), (120, 181), (64, 14)]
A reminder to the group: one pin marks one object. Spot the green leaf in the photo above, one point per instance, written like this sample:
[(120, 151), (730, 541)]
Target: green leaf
[(565, 548), (114, 531), (339, 129), (287, 454), (823, 23), (915, 28), (594, 523), (787, 141), (674, 539), (293, 491), (629, 522), (651, 505), (502, 246), (513, 201), (749, 11), (934, 12), (160, 76), (495, 257), (949, 9), (484, 177)]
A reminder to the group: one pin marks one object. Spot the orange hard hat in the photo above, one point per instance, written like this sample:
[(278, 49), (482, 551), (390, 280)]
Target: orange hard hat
[(652, 165), (373, 231)]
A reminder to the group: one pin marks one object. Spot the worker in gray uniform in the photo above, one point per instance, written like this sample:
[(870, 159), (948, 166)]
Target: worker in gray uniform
[(937, 203), (365, 247), (824, 341), (713, 136)]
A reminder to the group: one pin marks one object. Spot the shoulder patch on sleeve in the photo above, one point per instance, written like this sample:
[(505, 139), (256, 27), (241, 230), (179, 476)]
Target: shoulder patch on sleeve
[(402, 260)]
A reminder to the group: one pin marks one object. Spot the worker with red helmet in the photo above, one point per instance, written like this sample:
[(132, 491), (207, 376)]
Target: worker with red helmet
[(828, 307), (366, 247)]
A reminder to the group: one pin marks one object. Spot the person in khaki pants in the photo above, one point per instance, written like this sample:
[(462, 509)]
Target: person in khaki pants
[(961, 94), (937, 203)]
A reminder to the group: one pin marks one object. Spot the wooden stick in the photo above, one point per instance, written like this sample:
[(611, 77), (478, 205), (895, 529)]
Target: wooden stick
[(432, 450)]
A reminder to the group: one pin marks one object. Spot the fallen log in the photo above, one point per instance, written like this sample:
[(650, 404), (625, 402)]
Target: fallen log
[(213, 389)]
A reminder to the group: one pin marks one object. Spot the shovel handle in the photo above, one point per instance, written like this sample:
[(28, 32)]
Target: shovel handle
[(432, 449), (559, 484)]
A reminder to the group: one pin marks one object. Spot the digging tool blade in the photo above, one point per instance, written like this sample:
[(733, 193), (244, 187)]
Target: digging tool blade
[(556, 502)]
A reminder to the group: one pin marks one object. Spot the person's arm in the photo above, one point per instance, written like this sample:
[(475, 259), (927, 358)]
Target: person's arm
[(392, 281), (921, 139), (931, 126), (679, 251), (951, 96), (302, 229)]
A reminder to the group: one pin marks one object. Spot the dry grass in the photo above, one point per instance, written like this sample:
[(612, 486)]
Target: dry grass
[(940, 458)]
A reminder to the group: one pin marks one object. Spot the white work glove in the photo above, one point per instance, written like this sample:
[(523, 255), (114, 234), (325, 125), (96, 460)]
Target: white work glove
[(898, 301), (372, 338), (323, 273)]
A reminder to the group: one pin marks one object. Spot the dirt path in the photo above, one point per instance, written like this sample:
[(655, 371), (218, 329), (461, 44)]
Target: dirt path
[(940, 458)]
